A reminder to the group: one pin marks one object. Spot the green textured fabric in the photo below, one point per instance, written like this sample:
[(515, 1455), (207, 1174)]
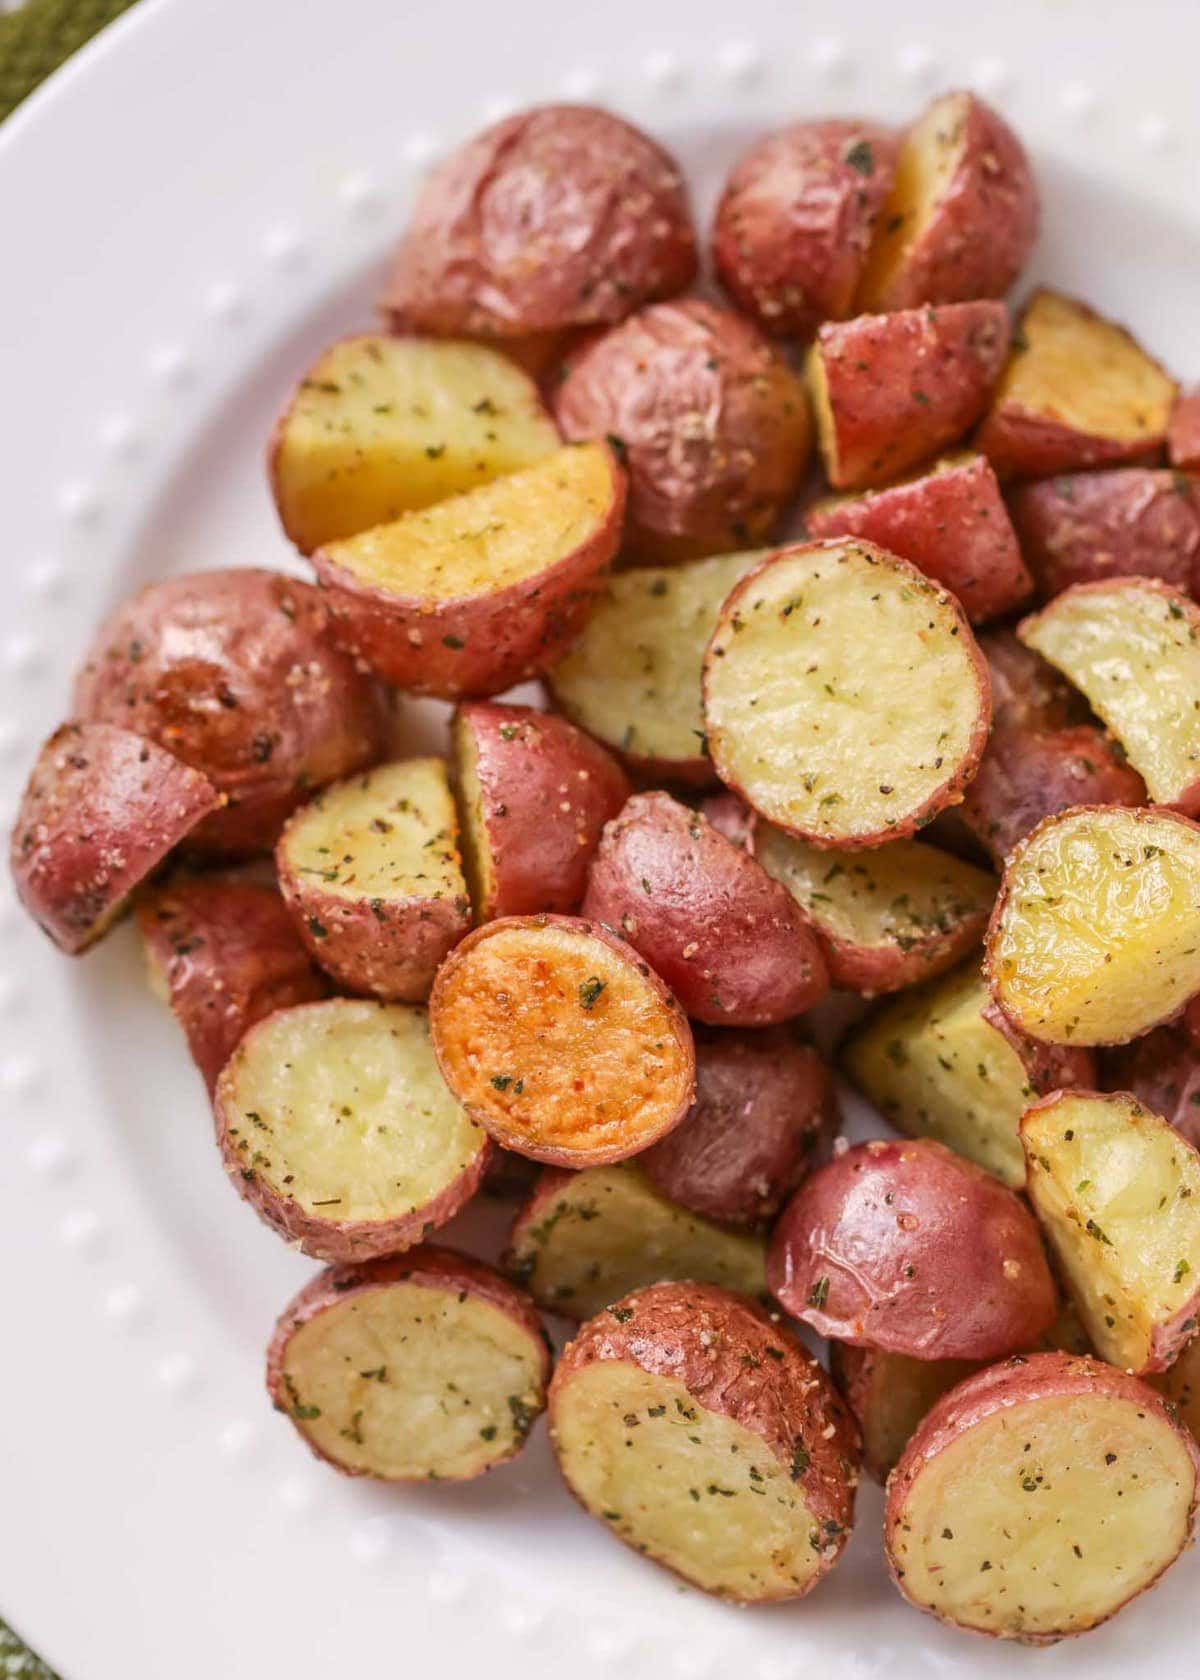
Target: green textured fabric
[(38, 37)]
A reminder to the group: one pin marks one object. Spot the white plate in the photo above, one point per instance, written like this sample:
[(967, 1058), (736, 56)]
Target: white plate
[(188, 211)]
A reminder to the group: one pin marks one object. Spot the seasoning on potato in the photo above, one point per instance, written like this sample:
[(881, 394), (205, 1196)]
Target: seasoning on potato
[(561, 1041), (1181, 1385)]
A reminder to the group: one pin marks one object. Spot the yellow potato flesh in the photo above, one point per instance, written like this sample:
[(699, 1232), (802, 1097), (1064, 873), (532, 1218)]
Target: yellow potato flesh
[(476, 853), (924, 169)]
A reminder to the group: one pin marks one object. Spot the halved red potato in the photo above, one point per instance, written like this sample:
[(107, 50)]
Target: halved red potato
[(424, 1367), (889, 1394), (1181, 1385), (766, 1109), (1117, 1192), (1078, 391), (632, 677), (1090, 527), (795, 218), (1095, 937), (707, 416), (1027, 693), (535, 793), (379, 426), (709, 1440), (845, 698), (488, 587), (559, 1039), (558, 216), (732, 944), (101, 810), (885, 918), (951, 523), (962, 214), (908, 1247), (1132, 646), (370, 868), (1162, 1071), (1183, 431), (335, 1125), (584, 1239), (1027, 775), (224, 953), (891, 391), (236, 672), (937, 1063), (1038, 1497)]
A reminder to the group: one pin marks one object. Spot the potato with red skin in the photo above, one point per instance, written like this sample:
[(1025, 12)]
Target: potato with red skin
[(1087, 527), (1183, 432), (732, 944), (891, 391), (962, 214), (237, 673), (909, 1247), (534, 793), (364, 1361), (1027, 692), (794, 222), (710, 421), (1162, 1071), (765, 1420), (889, 1394), (226, 954), (1038, 1497), (101, 810), (559, 216), (1026, 776), (951, 523), (766, 1108)]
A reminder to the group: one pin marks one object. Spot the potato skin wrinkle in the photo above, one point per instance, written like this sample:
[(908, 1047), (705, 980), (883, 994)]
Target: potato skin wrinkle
[(1038, 1497), (910, 1248), (805, 724), (707, 1438)]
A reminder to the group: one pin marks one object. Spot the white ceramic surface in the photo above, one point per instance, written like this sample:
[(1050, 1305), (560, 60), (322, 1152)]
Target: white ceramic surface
[(188, 211)]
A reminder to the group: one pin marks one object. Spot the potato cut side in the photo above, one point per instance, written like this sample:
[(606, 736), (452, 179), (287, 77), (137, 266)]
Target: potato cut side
[(844, 695), (490, 539), (925, 167), (1117, 1190), (585, 1239), (903, 912), (1133, 648), (1095, 937), (632, 678), (1039, 1497), (560, 1041), (335, 1124), (1181, 1385), (380, 426)]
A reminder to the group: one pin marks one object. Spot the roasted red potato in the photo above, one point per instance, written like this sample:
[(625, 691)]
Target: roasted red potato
[(845, 698), (335, 1125), (1095, 937), (632, 678), (370, 868), (380, 426), (1132, 646), (559, 1039), (962, 214), (950, 522), (910, 1248), (1162, 1071), (1183, 431), (224, 953), (584, 1239), (236, 673), (708, 1439), (1040, 1496), (101, 810), (940, 1062), (710, 421), (795, 220), (889, 1394), (560, 216), (732, 944), (766, 1109), (425, 1367), (485, 589), (1181, 1385), (1027, 693), (1117, 1192), (1077, 391), (891, 391), (535, 793), (1091, 527)]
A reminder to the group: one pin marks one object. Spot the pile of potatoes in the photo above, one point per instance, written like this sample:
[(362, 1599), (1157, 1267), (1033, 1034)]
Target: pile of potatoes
[(920, 728)]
